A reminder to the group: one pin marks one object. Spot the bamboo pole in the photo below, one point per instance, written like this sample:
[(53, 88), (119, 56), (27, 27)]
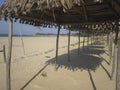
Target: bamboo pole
[(79, 42), (57, 41), (8, 60), (69, 45), (22, 42)]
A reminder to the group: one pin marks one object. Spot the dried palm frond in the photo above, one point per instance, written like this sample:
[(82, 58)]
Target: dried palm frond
[(35, 9), (27, 5)]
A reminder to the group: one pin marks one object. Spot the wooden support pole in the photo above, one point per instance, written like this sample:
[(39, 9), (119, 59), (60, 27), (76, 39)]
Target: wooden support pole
[(4, 53), (57, 42), (118, 59), (79, 43), (107, 40), (91, 40), (83, 41), (114, 61), (108, 43), (22, 42), (118, 70), (69, 45), (110, 47), (88, 41), (9, 54), (115, 51)]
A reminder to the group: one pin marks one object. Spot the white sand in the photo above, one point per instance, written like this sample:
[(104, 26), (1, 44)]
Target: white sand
[(84, 72)]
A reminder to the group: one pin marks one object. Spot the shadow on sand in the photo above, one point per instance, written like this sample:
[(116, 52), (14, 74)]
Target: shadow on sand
[(82, 61), (85, 60)]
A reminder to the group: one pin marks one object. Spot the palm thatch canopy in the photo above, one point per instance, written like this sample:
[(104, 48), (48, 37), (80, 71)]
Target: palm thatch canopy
[(37, 12), (75, 14)]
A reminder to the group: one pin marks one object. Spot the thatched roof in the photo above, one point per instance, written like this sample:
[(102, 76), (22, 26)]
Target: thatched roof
[(37, 12)]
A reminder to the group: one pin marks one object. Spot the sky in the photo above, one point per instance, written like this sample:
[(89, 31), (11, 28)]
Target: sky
[(24, 28), (1, 1)]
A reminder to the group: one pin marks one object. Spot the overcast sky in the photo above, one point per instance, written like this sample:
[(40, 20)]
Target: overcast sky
[(25, 29)]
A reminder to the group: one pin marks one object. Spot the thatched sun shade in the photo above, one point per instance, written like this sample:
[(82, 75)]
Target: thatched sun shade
[(57, 11)]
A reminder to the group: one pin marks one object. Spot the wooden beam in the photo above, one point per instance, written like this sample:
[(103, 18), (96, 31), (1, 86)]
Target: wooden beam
[(8, 61), (113, 10), (85, 10), (116, 5), (91, 20)]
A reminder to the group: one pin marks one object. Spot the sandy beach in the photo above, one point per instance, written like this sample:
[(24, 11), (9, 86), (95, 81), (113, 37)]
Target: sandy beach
[(37, 69)]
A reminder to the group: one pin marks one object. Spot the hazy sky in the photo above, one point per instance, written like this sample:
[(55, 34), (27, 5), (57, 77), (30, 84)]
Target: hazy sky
[(25, 29), (1, 1)]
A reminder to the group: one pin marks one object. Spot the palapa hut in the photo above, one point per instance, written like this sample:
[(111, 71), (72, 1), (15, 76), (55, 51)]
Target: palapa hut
[(90, 16)]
